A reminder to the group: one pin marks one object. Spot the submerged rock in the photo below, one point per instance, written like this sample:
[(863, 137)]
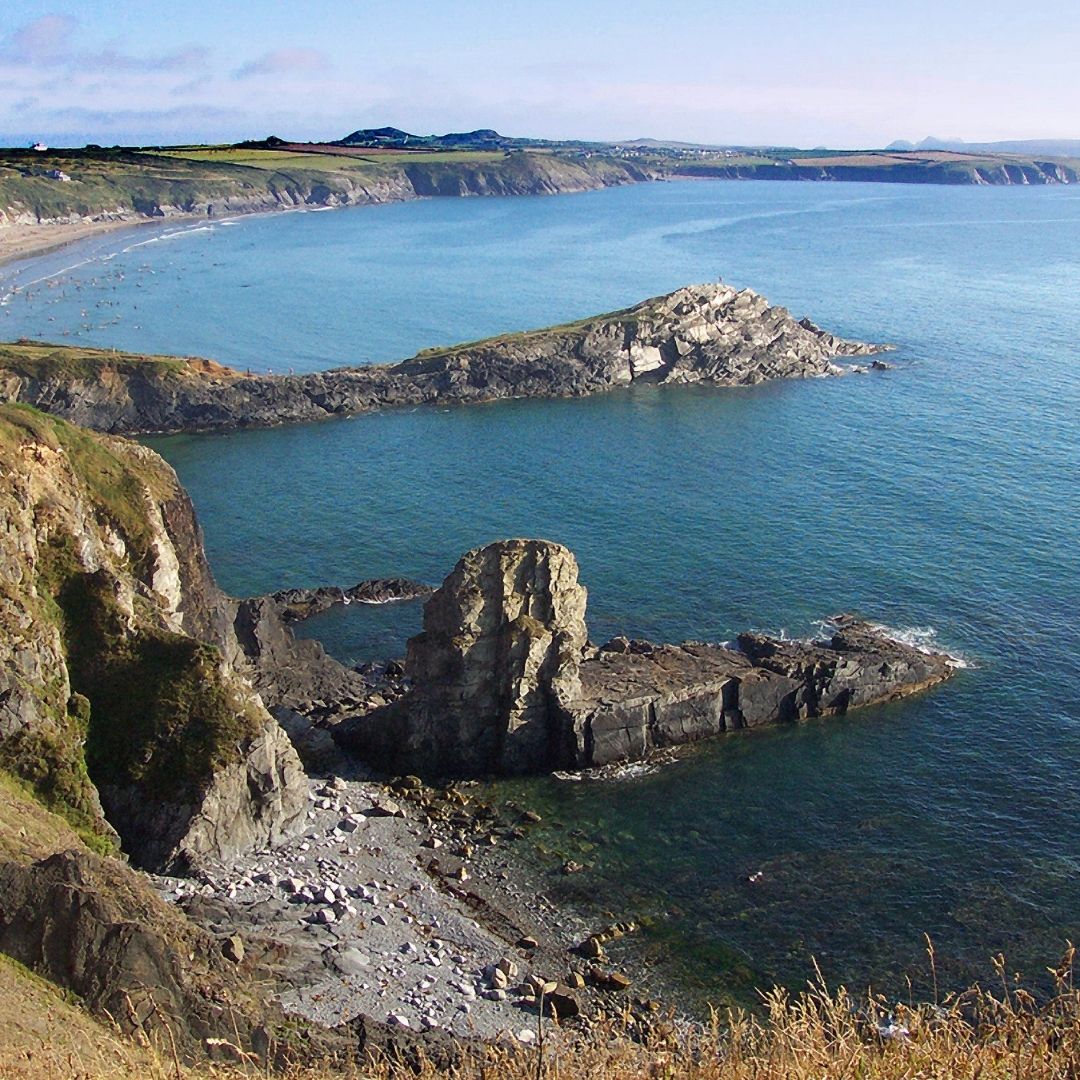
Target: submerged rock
[(504, 680), (295, 605)]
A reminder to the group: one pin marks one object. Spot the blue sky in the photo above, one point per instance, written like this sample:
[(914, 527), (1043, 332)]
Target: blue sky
[(831, 73)]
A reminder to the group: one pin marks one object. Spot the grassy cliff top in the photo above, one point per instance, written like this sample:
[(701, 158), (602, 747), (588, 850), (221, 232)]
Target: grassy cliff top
[(40, 360), (115, 474), (322, 158), (104, 184), (518, 338)]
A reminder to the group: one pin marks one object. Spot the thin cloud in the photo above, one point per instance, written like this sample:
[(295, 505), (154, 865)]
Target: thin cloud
[(180, 60), (285, 62), (179, 113), (50, 42), (40, 41)]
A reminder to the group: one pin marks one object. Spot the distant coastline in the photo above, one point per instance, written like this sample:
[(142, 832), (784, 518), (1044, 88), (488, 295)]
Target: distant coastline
[(54, 198)]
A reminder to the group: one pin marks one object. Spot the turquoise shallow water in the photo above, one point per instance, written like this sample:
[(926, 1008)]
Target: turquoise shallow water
[(942, 494)]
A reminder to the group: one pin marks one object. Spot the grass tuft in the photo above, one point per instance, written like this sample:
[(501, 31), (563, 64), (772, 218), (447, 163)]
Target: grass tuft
[(982, 1034)]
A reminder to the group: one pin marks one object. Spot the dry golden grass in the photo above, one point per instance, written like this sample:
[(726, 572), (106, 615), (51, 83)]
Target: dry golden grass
[(979, 1035)]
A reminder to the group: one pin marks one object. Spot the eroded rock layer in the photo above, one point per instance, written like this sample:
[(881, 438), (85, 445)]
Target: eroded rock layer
[(504, 680)]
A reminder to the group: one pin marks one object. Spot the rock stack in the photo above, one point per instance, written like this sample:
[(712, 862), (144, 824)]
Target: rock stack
[(505, 681)]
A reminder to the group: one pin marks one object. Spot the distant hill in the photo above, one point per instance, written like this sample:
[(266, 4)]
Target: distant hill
[(393, 138), (1027, 147)]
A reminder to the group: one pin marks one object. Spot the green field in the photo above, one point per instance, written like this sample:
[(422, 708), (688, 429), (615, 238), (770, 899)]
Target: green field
[(276, 160)]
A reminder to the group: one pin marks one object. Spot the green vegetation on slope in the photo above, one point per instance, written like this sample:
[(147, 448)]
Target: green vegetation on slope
[(119, 183), (124, 184), (148, 708), (117, 490), (41, 361), (624, 317), (320, 160), (159, 715)]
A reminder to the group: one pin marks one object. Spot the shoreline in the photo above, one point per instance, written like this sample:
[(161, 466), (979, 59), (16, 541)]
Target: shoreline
[(24, 242), (397, 904), (34, 241)]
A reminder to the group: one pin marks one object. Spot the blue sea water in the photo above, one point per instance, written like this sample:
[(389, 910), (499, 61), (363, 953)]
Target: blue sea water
[(941, 496)]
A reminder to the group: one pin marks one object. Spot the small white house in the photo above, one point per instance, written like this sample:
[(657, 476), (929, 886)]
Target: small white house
[(40, 147)]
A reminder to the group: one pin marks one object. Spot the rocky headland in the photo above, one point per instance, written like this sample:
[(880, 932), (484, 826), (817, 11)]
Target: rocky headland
[(897, 168), (136, 730), (122, 699), (706, 334)]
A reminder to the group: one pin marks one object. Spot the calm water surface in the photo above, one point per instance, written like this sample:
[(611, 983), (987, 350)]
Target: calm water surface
[(943, 495)]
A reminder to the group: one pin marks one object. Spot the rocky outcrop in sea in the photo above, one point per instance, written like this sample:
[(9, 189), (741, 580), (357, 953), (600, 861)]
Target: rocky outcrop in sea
[(503, 679), (295, 605), (709, 334)]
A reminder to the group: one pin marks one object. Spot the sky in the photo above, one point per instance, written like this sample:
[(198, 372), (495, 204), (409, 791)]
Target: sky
[(761, 72)]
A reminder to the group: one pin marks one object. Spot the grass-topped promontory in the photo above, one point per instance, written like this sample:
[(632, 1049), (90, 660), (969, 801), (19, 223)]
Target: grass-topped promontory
[(630, 316)]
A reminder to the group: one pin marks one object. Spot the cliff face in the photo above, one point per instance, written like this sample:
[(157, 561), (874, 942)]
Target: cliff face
[(119, 699), (999, 173), (499, 651), (503, 679), (136, 187), (710, 334)]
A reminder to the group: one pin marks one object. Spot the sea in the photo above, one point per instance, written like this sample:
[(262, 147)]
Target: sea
[(940, 498)]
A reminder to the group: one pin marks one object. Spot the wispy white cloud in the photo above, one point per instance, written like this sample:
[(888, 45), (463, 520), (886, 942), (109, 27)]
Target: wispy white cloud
[(40, 41), (52, 42), (296, 61), (65, 77)]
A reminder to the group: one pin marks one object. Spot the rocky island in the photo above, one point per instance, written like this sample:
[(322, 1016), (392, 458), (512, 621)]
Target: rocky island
[(709, 334)]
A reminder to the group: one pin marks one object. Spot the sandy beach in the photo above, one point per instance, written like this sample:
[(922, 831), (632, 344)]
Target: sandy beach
[(24, 241)]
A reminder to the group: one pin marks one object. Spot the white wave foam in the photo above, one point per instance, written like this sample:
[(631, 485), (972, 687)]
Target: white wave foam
[(141, 243), (923, 638), (23, 285), (188, 232), (630, 770)]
